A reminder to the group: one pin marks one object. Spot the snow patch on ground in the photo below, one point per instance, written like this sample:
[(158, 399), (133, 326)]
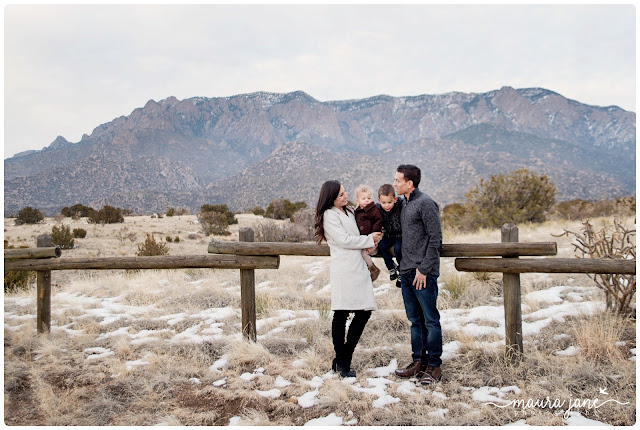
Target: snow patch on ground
[(553, 306)]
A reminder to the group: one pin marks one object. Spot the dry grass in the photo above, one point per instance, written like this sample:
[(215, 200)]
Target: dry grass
[(170, 337), (597, 336)]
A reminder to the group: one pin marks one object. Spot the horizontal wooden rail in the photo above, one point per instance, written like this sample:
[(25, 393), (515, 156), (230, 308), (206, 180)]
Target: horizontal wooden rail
[(267, 248), (151, 262), (512, 249), (547, 265), (26, 253)]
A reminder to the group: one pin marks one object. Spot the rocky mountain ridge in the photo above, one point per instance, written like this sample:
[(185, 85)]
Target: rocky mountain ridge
[(200, 145)]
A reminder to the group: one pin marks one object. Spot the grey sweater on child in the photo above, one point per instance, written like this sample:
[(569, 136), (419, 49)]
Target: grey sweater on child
[(421, 235)]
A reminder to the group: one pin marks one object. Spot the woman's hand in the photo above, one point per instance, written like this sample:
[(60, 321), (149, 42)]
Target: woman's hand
[(376, 237)]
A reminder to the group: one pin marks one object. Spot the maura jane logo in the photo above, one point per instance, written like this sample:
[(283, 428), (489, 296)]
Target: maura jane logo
[(564, 406)]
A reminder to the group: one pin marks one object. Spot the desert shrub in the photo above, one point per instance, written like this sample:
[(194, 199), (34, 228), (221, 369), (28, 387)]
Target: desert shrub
[(585, 209), (614, 242), (571, 209), (62, 236), (106, 215), (597, 336), (151, 247), (305, 219), (214, 223), (283, 208), (223, 209), (516, 197), (124, 234), (452, 216), (455, 285), (270, 231), (182, 211), (79, 233), (263, 304), (76, 211), (169, 239), (177, 212), (176, 239), (481, 276), (14, 281), (257, 210), (29, 215)]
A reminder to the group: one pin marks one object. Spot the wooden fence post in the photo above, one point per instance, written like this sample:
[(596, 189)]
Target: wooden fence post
[(248, 292), (512, 303), (43, 280)]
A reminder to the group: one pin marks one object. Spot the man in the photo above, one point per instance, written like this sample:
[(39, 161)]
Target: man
[(419, 271)]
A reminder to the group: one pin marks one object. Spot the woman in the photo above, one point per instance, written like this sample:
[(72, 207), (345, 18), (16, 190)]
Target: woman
[(351, 287)]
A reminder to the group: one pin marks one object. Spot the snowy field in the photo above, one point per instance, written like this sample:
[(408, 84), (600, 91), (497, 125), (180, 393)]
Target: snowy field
[(165, 348)]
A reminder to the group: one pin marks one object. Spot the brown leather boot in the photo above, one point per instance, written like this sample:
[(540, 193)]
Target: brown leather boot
[(432, 375), (413, 369), (374, 272)]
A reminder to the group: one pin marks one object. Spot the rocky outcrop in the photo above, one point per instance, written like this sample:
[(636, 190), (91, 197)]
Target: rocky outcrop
[(214, 139)]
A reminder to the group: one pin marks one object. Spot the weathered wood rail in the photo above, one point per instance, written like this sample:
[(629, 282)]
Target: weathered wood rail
[(550, 265), (28, 253), (448, 249), (150, 262), (247, 256), (44, 259)]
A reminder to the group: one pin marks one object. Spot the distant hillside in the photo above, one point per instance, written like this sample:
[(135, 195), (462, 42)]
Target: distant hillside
[(252, 148), (450, 169)]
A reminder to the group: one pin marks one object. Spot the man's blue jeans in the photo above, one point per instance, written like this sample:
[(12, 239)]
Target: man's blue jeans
[(383, 248), (420, 306)]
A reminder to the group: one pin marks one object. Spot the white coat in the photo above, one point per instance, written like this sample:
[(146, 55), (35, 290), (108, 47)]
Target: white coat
[(351, 286)]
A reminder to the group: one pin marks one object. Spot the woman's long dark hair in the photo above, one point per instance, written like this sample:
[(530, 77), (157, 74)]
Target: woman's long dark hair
[(328, 194)]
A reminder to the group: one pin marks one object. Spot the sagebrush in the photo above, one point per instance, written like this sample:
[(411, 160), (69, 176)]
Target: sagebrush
[(612, 241), (151, 247)]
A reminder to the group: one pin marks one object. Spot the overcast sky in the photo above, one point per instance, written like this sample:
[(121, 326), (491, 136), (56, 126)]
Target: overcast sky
[(70, 68)]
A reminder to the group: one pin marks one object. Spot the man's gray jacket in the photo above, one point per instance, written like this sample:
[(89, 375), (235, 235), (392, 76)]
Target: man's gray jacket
[(421, 235)]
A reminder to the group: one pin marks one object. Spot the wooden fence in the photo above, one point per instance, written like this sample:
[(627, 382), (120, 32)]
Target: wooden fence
[(44, 259), (509, 250), (247, 256)]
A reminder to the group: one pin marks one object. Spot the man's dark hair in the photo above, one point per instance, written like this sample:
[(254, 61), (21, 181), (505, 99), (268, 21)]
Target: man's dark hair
[(411, 173), (386, 190)]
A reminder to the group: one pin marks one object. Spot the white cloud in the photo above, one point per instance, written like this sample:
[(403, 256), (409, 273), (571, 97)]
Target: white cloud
[(70, 68)]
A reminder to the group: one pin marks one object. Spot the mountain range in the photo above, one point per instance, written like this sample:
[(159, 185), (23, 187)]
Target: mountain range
[(250, 149)]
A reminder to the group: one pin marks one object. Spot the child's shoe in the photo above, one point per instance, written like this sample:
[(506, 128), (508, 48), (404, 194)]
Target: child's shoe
[(393, 273), (398, 283), (374, 272)]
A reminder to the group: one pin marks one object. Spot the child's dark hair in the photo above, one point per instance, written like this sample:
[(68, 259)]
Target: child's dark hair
[(386, 190)]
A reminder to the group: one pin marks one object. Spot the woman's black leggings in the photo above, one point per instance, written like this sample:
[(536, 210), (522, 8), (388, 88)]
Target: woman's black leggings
[(344, 350)]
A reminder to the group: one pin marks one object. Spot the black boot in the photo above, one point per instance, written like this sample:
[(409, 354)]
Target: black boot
[(337, 334), (342, 369), (353, 336), (348, 357)]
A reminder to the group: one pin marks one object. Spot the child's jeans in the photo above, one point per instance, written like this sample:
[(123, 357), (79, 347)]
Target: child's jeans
[(383, 247)]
